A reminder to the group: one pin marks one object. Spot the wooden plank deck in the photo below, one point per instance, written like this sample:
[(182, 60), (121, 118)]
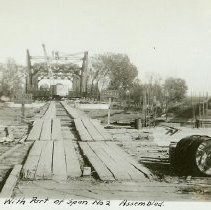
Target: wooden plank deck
[(46, 130), (36, 130), (41, 129), (82, 131), (11, 182), (92, 130), (44, 168), (52, 160), (129, 159), (51, 111), (42, 111), (101, 169), (110, 162), (72, 161), (68, 136), (72, 112), (88, 129), (30, 166), (125, 165), (52, 157), (56, 129), (101, 130), (59, 163), (106, 159), (59, 159)]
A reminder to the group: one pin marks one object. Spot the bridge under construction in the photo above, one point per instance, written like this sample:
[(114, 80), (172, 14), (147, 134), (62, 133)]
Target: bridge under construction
[(59, 74)]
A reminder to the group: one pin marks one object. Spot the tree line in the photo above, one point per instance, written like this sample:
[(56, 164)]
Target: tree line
[(116, 72), (108, 71), (12, 78)]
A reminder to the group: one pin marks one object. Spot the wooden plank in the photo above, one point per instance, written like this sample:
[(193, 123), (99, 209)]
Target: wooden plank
[(51, 111), (72, 161), (30, 166), (67, 134), (46, 130), (56, 130), (107, 136), (82, 131), (120, 172), (61, 112), (127, 157), (11, 181), (36, 130), (44, 168), (73, 112), (125, 166), (103, 172), (59, 163), (107, 159), (92, 130), (36, 148)]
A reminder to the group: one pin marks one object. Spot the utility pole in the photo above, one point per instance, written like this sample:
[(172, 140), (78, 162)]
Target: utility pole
[(199, 106), (144, 108), (83, 79), (193, 107), (166, 96), (203, 109), (28, 73), (109, 111), (207, 102)]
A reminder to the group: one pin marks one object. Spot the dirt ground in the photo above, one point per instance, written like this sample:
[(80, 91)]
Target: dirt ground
[(165, 185), (11, 118), (116, 115), (148, 146)]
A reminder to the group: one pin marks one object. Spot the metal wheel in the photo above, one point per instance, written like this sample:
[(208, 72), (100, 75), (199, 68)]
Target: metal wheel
[(192, 156), (203, 157)]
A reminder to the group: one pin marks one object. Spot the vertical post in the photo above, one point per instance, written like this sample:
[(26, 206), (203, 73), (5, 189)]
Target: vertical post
[(200, 110), (203, 110), (167, 95), (109, 111), (22, 111), (199, 107), (29, 73), (207, 103), (84, 73), (144, 109), (193, 109)]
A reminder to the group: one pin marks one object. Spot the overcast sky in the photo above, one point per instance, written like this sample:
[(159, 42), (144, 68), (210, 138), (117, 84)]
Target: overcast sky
[(169, 37)]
